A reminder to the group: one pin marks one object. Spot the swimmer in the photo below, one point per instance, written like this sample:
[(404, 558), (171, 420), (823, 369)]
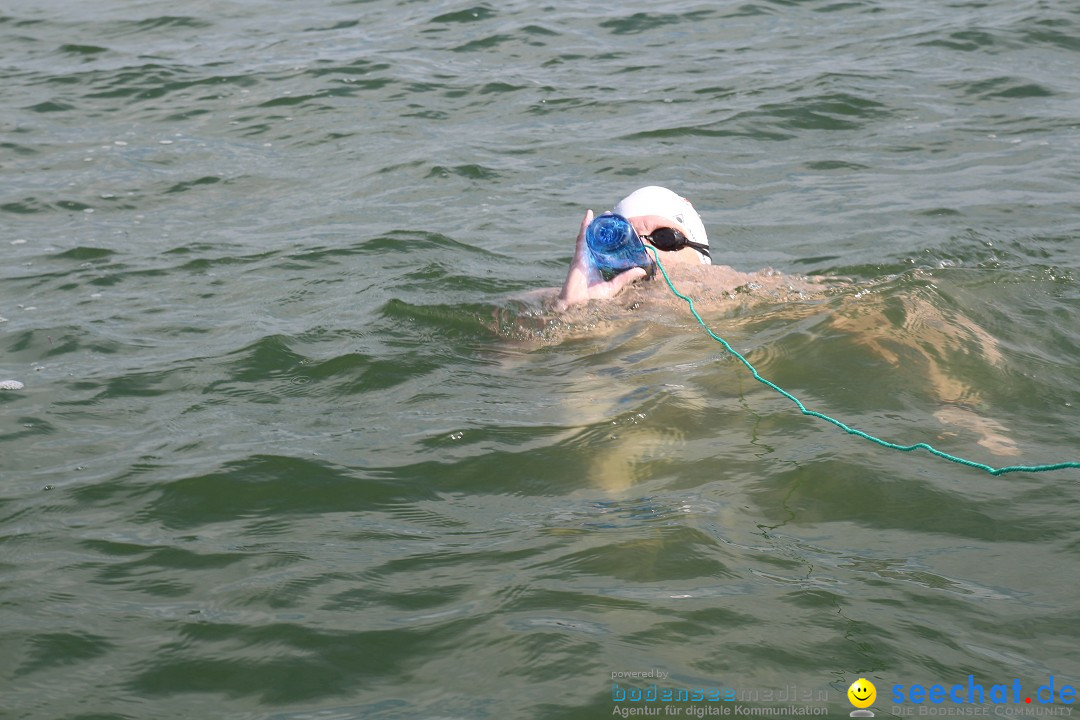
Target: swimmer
[(926, 337), (654, 212)]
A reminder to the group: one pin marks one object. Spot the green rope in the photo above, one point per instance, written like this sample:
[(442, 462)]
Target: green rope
[(837, 423)]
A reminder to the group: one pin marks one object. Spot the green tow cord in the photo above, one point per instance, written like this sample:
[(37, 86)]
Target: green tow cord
[(850, 430)]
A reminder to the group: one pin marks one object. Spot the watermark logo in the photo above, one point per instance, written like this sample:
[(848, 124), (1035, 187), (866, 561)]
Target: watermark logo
[(862, 694), (974, 699), (668, 698)]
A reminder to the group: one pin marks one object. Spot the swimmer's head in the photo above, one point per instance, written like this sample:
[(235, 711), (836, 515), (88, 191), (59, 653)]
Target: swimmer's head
[(658, 201)]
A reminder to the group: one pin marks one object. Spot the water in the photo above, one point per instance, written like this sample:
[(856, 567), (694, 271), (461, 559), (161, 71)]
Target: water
[(288, 448)]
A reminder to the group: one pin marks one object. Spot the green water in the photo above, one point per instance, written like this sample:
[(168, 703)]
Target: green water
[(288, 448)]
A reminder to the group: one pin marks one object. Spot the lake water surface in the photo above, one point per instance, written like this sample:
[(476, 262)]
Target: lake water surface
[(287, 446)]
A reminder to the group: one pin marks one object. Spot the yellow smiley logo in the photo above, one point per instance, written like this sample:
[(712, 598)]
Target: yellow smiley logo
[(862, 693)]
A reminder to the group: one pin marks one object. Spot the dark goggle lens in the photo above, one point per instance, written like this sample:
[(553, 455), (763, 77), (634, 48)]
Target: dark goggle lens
[(668, 239)]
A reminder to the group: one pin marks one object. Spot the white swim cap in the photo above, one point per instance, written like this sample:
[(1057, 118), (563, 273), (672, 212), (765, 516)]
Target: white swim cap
[(655, 200)]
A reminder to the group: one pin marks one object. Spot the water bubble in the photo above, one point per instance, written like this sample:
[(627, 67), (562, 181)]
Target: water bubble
[(11, 385)]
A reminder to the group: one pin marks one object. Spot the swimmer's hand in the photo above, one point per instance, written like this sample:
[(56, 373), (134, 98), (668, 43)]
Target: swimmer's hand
[(583, 281)]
